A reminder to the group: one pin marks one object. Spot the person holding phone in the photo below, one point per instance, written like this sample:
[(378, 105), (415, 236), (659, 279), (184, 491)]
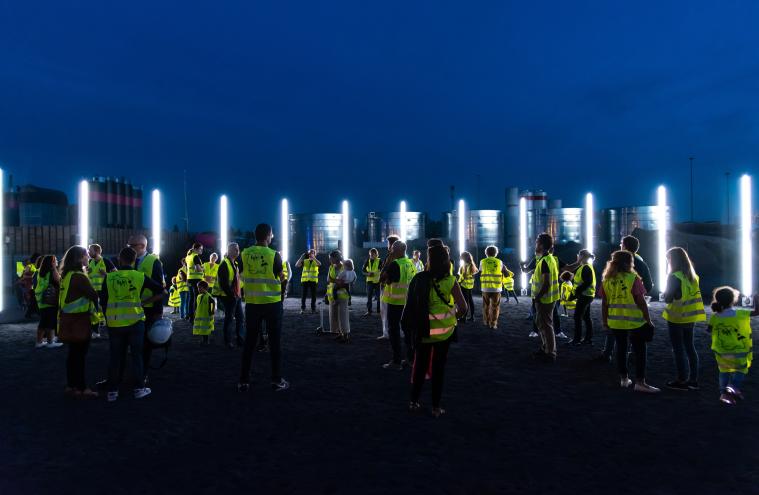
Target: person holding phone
[(309, 278)]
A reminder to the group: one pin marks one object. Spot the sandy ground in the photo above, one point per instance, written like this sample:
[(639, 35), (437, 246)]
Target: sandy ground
[(513, 425)]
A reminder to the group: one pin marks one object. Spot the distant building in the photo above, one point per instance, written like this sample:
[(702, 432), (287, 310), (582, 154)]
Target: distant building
[(32, 205)]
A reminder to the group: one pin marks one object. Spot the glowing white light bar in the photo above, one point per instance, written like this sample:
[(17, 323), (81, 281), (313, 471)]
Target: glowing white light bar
[(223, 223), (589, 222), (155, 223), (2, 240), (747, 262), (661, 225), (346, 231), (403, 221), (462, 227), (84, 213), (523, 241), (285, 231)]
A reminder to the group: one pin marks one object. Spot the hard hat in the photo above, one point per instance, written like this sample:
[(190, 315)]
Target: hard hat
[(160, 332)]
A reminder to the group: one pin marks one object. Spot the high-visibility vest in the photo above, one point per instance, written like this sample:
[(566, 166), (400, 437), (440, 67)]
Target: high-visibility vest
[(19, 268), (341, 294), (508, 282), (174, 299), (310, 271), (373, 270), (491, 275), (39, 290), (590, 291), (209, 273), (442, 312), (94, 268), (396, 292), (566, 290), (203, 322), (624, 314), (182, 283), (536, 282), (79, 305), (231, 271), (262, 286), (146, 267), (466, 277), (124, 298), (418, 265), (192, 273), (286, 270), (731, 341), (690, 307)]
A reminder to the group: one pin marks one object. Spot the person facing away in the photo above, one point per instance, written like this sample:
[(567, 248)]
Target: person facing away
[(545, 293), (492, 273), (229, 294), (632, 244), (46, 286), (371, 271), (583, 293), (309, 278), (732, 343), (467, 271), (566, 289), (508, 285), (205, 308), (194, 275), (396, 277), (97, 267), (383, 304)]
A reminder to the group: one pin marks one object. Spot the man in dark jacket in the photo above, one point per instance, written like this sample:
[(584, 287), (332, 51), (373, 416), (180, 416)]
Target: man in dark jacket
[(228, 287)]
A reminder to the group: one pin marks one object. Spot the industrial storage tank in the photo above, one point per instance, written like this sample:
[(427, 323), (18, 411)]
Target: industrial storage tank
[(320, 231), (137, 199), (511, 218), (126, 201), (374, 228), (41, 206), (565, 224), (110, 193), (482, 228), (622, 221), (535, 200), (415, 225), (98, 202)]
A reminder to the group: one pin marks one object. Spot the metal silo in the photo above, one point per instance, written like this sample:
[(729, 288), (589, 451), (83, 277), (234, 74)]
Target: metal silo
[(127, 202), (110, 188), (374, 227), (565, 224), (320, 231), (415, 225), (137, 206), (119, 203), (511, 218)]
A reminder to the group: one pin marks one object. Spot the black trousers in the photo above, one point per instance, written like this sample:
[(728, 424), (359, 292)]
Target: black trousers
[(582, 314), (469, 302), (193, 295), (75, 365), (438, 352), (512, 293), (305, 288), (232, 311), (639, 349), (255, 316), (372, 291), (394, 314)]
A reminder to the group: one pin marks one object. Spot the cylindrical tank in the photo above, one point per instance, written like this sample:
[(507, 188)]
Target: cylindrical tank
[(535, 200), (40, 206), (565, 224), (137, 207), (110, 187), (610, 225), (127, 201), (619, 222), (415, 222), (511, 218), (98, 205), (374, 227), (120, 207), (320, 231), (554, 204), (482, 228)]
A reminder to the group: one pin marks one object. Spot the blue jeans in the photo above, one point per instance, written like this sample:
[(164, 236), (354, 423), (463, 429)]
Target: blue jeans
[(232, 310), (681, 337), (184, 298), (734, 380), (119, 338)]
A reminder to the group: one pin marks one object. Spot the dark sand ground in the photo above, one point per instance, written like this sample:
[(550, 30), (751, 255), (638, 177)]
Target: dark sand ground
[(513, 425)]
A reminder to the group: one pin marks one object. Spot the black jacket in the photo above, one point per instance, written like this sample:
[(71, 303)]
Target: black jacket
[(415, 317)]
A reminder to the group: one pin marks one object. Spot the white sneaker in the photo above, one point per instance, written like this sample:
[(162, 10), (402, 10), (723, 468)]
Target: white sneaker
[(562, 335), (139, 393), (54, 344), (533, 334), (40, 344), (646, 388), (95, 335), (112, 396), (625, 382)]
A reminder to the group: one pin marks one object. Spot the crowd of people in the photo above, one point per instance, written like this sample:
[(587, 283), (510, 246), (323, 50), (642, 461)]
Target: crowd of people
[(422, 306)]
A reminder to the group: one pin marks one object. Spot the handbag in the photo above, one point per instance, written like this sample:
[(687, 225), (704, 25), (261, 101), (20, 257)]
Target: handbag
[(74, 327), (50, 296)]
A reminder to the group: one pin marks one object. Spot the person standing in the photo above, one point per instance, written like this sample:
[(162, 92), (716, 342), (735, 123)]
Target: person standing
[(184, 292), (228, 291), (685, 307), (97, 267), (467, 271), (492, 273), (434, 303), (584, 293), (205, 308), (417, 260), (210, 271), (371, 271), (286, 275), (341, 275), (383, 305), (46, 293), (624, 311), (508, 285), (194, 275), (261, 269), (396, 277), (77, 300), (309, 278), (122, 297), (545, 292)]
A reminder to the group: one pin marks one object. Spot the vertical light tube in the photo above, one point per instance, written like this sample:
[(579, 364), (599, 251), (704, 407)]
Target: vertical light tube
[(589, 222), (747, 262), (661, 250), (285, 233), (2, 240), (346, 231), (403, 221), (84, 213), (523, 241), (223, 223), (155, 222)]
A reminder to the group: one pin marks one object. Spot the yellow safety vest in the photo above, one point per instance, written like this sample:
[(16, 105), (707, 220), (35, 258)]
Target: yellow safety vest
[(590, 291), (182, 284), (341, 293), (79, 305), (209, 273), (19, 268), (174, 299), (690, 307), (192, 273), (231, 269), (466, 277), (93, 272), (508, 281), (310, 271), (491, 276), (624, 314), (39, 290), (124, 298), (262, 286), (566, 290), (396, 292), (203, 322), (373, 270), (285, 270), (442, 312), (146, 267), (418, 265), (536, 282), (731, 341)]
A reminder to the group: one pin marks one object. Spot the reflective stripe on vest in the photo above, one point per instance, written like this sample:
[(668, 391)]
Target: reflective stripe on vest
[(491, 276), (731, 341), (536, 282), (373, 270), (79, 305), (93, 272), (341, 294), (203, 324), (690, 307), (508, 283), (567, 289), (262, 286), (209, 273), (124, 298), (624, 314), (590, 291), (174, 298), (466, 277), (396, 292), (442, 313), (310, 271)]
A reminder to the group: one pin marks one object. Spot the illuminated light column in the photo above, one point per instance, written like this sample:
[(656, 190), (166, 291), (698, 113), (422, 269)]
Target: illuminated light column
[(523, 242), (403, 221), (285, 231), (661, 249), (2, 240), (346, 231), (84, 213), (747, 262), (155, 223), (589, 222), (462, 226), (223, 223)]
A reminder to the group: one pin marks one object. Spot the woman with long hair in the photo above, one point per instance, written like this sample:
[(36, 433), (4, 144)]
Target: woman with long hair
[(467, 271), (685, 307), (625, 313), (46, 294), (433, 304), (77, 301)]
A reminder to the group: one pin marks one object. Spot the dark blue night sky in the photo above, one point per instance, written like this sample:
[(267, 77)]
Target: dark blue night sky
[(320, 101)]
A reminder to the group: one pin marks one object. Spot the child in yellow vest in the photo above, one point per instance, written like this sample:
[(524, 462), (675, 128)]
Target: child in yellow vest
[(567, 288), (174, 298), (205, 308), (731, 341)]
